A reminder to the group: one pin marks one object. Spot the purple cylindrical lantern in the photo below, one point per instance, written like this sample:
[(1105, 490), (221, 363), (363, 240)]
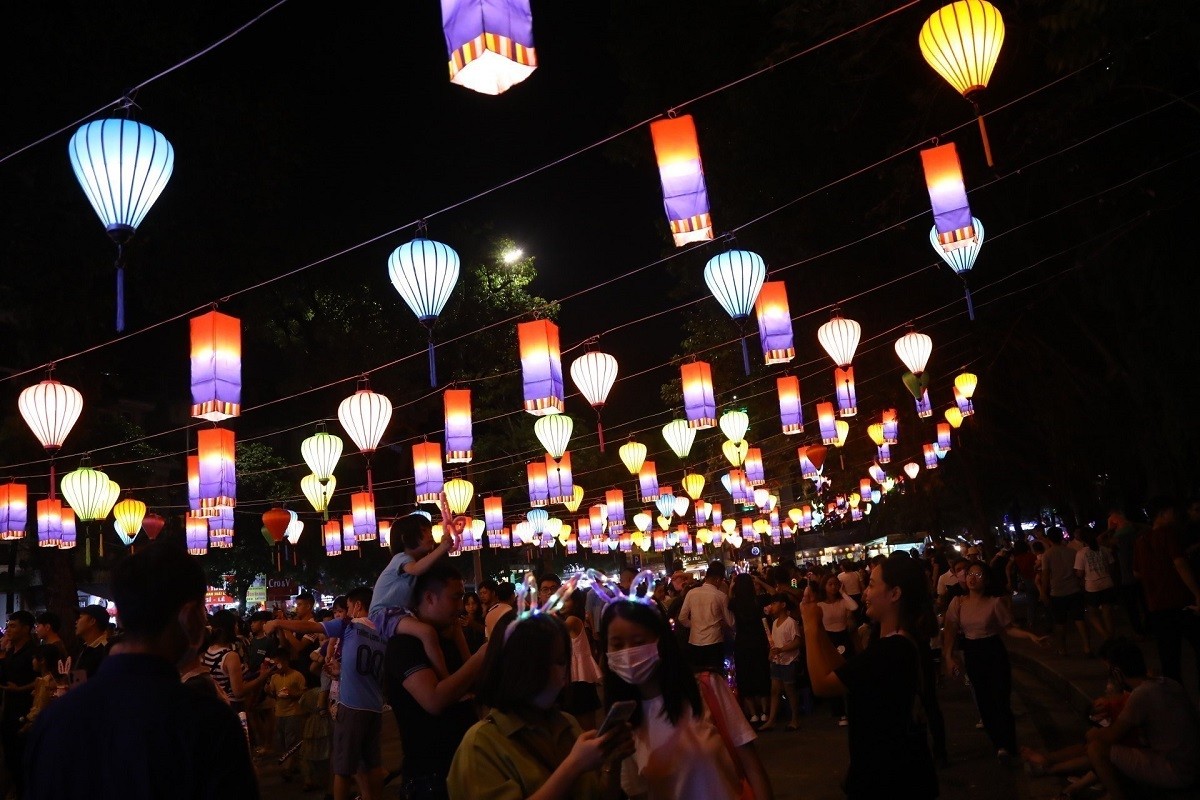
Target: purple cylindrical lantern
[(489, 42), (885, 453), (539, 489), (560, 485), (698, 399), (493, 514), (614, 499), (791, 413), (931, 459), (541, 367), (685, 195), (891, 427), (648, 481), (943, 435), (948, 196), (924, 408), (775, 323), (427, 471), (459, 436), (847, 401)]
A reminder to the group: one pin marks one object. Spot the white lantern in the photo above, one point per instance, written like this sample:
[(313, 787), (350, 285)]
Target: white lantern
[(679, 436), (554, 432), (425, 272), (365, 415), (840, 338), (594, 374), (321, 452), (734, 425), (914, 349)]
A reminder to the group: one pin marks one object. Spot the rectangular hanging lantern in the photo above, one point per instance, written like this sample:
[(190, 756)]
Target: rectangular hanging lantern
[(14, 511), (825, 419), (965, 406), (427, 471), (196, 533), (931, 459), (490, 43), (698, 398), (49, 523), (560, 484), (685, 539), (362, 504), (775, 323), (220, 529), (333, 538), (924, 408), (539, 489), (648, 482), (847, 401), (69, 534), (216, 366), (349, 540), (685, 195), (541, 367), (193, 477), (891, 427), (864, 488), (791, 413), (218, 474), (385, 534), (614, 499), (753, 466), (493, 514), (943, 436), (583, 531), (884, 453), (598, 517), (715, 513), (948, 196), (459, 439)]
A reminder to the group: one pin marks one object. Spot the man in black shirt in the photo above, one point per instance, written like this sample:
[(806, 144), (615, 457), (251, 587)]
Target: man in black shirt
[(17, 679), (433, 715), (92, 629)]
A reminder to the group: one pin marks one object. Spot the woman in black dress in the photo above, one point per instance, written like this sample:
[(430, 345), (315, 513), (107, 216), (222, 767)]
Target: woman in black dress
[(750, 648)]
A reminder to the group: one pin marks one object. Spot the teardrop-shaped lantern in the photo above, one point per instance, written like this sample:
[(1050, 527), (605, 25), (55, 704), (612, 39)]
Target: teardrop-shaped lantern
[(911, 469), (537, 519), (914, 349), (962, 258), (577, 493), (735, 452), (321, 452), (681, 506), (665, 504), (50, 409), (425, 272), (276, 521), (122, 167), (318, 492), (153, 524), (840, 338), (594, 374), (554, 432), (680, 437), (642, 521), (693, 484), (127, 518), (365, 415), (87, 492), (459, 493), (735, 278), (295, 528), (633, 455), (954, 417), (965, 383), (734, 424)]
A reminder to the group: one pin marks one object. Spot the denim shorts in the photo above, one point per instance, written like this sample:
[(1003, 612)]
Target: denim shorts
[(784, 672)]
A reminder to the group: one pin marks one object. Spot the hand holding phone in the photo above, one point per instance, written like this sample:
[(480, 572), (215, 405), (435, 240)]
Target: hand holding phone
[(620, 712)]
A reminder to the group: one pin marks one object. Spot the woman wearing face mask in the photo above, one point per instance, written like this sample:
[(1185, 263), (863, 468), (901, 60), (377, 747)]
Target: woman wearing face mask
[(525, 747), (691, 740)]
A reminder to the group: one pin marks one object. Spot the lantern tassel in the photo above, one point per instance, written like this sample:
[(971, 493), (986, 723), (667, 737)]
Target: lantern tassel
[(432, 362), (600, 431), (87, 549), (120, 299), (970, 302), (987, 145), (745, 355)]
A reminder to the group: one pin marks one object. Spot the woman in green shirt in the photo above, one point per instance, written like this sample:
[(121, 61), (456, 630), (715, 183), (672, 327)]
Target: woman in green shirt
[(525, 747)]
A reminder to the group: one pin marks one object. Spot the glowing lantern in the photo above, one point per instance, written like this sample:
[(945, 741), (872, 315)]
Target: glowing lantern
[(962, 258), (424, 272), (812, 458), (127, 518), (864, 487), (774, 324), (69, 534), (523, 532), (572, 504), (541, 367), (220, 530), (715, 513), (961, 42), (761, 497), (735, 452), (913, 349), (681, 506), (318, 492), (877, 473), (825, 419), (427, 471), (583, 531), (196, 534), (684, 193), (559, 479), (50, 409), (965, 383), (943, 436), (321, 452), (679, 436), (553, 528), (843, 430), (490, 43), (876, 432), (123, 167), (698, 398), (49, 523), (734, 425), (648, 482), (633, 455), (963, 404), (924, 407), (538, 482), (276, 521), (594, 374), (598, 517), (385, 534), (216, 366), (89, 492), (153, 524), (948, 196), (847, 401), (854, 499), (735, 278), (755, 474), (931, 459), (791, 414), (911, 469), (666, 505), (459, 435), (840, 338), (295, 529), (14, 511), (703, 511), (693, 484), (362, 508), (554, 432), (218, 475), (891, 427), (537, 520), (493, 513), (333, 538), (365, 416)]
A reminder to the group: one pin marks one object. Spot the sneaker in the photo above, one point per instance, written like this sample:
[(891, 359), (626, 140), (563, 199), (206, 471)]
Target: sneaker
[(1003, 757), (754, 719), (979, 725), (843, 722)]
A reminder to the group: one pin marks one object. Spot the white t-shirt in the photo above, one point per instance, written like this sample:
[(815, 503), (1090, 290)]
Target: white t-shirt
[(687, 761), (784, 633), (945, 581), (833, 614), (1095, 567), (493, 616), (851, 584)]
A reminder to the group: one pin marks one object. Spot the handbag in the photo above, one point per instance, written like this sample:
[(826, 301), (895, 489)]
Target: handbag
[(746, 791)]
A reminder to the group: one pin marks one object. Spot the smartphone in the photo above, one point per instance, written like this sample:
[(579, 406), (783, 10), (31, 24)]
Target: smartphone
[(620, 712)]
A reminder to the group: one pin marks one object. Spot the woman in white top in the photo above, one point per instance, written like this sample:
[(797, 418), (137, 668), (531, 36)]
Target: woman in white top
[(837, 617), (580, 698), (1094, 565), (686, 747)]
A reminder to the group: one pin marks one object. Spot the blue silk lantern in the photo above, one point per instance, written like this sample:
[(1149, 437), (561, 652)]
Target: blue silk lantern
[(685, 195), (961, 259), (735, 278), (648, 482), (427, 471), (459, 436), (698, 399), (846, 399), (560, 486), (924, 408), (791, 412), (490, 43), (216, 366), (425, 272), (218, 476), (876, 496), (538, 481), (775, 323), (541, 367)]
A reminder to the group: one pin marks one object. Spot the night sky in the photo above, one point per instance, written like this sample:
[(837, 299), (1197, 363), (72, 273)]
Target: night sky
[(324, 125)]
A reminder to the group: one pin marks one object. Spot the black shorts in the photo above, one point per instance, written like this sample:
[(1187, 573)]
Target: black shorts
[(356, 741), (1104, 597), (579, 697), (1067, 609)]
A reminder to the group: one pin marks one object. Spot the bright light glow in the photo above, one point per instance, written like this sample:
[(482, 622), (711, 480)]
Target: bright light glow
[(512, 256)]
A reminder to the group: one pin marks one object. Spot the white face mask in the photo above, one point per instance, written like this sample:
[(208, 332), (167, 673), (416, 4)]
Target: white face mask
[(634, 664)]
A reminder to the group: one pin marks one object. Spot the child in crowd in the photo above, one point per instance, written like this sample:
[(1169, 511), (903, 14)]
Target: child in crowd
[(45, 657), (287, 686), (785, 646)]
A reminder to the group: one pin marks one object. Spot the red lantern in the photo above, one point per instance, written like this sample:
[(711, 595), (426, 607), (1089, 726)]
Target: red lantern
[(153, 524)]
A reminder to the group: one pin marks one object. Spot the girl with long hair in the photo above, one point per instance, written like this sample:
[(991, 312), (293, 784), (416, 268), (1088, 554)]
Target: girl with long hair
[(750, 647), (837, 618)]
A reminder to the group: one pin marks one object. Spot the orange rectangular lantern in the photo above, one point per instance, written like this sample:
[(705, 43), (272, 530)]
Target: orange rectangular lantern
[(541, 367), (333, 538), (948, 196), (539, 490), (614, 499), (847, 400), (362, 504), (493, 514), (216, 366), (49, 523), (825, 419), (427, 471), (14, 511), (459, 436), (775, 323), (218, 475), (648, 482), (698, 398), (685, 194), (791, 413)]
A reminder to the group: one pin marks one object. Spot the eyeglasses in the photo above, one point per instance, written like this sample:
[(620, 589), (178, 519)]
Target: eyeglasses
[(974, 574)]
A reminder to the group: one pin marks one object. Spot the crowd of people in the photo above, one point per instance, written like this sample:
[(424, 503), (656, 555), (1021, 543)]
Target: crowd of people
[(587, 687)]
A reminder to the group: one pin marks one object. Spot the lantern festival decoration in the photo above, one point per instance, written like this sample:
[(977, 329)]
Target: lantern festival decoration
[(576, 498), (559, 479), (122, 166), (891, 426), (864, 487), (963, 403), (931, 459), (69, 530), (459, 494), (648, 482), (877, 474), (349, 540), (964, 387), (362, 515), (427, 471), (598, 518), (614, 502), (693, 484), (458, 428), (735, 278), (685, 196), (666, 505), (791, 413), (218, 475), (49, 523), (840, 337), (321, 452), (153, 524), (50, 409), (127, 519), (541, 367), (735, 452), (216, 366), (679, 437), (775, 323), (954, 417), (962, 41), (633, 455), (424, 273), (961, 259), (913, 349), (755, 475), (924, 407), (698, 399), (538, 483), (875, 431), (295, 529), (318, 492), (195, 531), (493, 514), (583, 531), (734, 424), (594, 374), (554, 432), (14, 511), (490, 43), (220, 530), (825, 419), (703, 511), (812, 459), (365, 416), (843, 430), (943, 436), (332, 533), (847, 400)]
